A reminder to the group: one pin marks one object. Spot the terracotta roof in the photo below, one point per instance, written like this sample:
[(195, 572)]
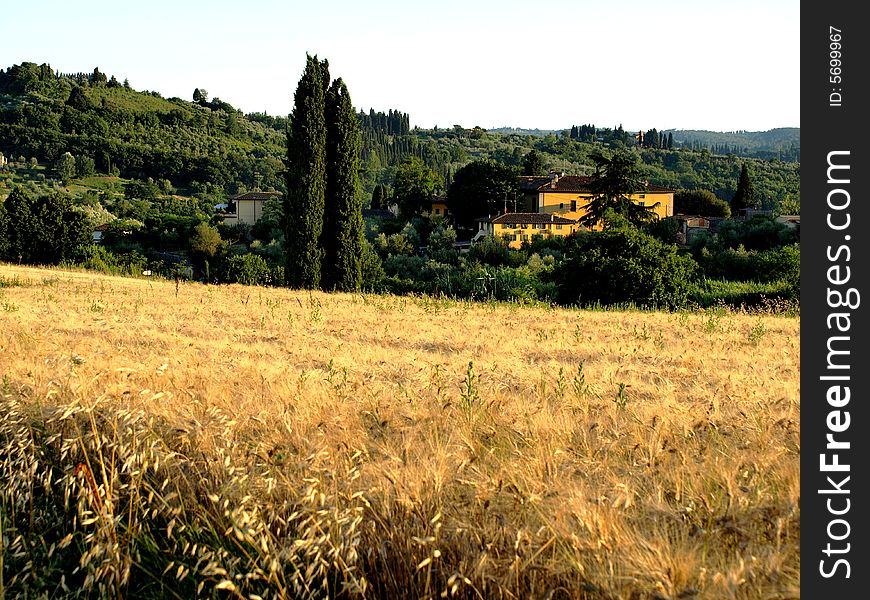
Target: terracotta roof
[(532, 183), (256, 196), (571, 183), (520, 218)]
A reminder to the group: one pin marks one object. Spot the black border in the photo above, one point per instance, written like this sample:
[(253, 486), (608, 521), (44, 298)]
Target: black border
[(826, 128)]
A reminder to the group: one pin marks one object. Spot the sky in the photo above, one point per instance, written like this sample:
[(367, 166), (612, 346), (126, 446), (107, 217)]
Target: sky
[(548, 64)]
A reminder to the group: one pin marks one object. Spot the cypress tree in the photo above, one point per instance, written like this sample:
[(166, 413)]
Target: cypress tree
[(744, 197), (379, 196), (306, 178), (343, 224)]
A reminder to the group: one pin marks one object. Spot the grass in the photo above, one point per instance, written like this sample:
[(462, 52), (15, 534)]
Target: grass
[(776, 296), (254, 442)]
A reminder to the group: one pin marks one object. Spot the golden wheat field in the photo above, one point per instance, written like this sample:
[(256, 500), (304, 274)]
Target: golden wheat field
[(163, 440)]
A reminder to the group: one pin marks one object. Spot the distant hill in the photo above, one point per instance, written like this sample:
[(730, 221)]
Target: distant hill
[(521, 131), (783, 143), (209, 149)]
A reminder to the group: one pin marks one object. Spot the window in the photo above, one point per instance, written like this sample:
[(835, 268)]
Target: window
[(573, 205), (643, 195), (525, 238), (524, 226), (561, 205), (437, 211), (558, 227)]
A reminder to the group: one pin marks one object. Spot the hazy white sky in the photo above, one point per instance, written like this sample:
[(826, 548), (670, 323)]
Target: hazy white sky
[(685, 64)]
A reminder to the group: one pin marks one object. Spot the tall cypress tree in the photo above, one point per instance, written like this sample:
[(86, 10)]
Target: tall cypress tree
[(343, 226), (306, 178), (744, 197)]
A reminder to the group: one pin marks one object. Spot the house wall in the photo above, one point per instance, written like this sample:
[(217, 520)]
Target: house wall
[(439, 209), (517, 234), (249, 211), (570, 205)]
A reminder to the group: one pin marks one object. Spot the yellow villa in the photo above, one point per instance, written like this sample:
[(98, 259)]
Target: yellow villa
[(554, 204), (517, 228), (567, 196)]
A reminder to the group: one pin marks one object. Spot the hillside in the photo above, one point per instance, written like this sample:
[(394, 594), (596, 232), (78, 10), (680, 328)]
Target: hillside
[(781, 143), (196, 438), (209, 149), (135, 134)]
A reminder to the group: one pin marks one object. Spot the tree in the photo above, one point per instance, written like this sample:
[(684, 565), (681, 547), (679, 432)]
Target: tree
[(700, 202), (441, 245), (744, 197), (200, 96), (532, 163), (624, 265), (614, 181), (47, 230), (481, 188), (78, 99), (65, 167), (206, 241), (4, 232), (306, 178), (414, 187), (343, 235), (379, 197), (98, 79), (85, 166), (20, 223)]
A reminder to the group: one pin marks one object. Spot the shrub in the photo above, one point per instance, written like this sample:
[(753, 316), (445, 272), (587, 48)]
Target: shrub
[(700, 202), (247, 269), (624, 265)]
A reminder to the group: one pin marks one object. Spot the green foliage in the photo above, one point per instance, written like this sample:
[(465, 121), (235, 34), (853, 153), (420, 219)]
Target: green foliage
[(247, 269), (614, 180), (65, 167), (766, 266), (665, 230), (624, 265), (45, 230), (776, 296), (700, 202), (480, 188), (78, 99), (306, 178), (414, 187), (744, 197), (206, 242), (532, 164), (490, 251), (380, 199), (396, 244), (441, 245), (371, 268), (85, 166), (343, 234), (98, 258), (757, 233)]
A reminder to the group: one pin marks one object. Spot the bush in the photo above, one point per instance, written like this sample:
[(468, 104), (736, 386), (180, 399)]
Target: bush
[(247, 269), (758, 233), (777, 296), (624, 265), (98, 258), (700, 202), (782, 264)]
